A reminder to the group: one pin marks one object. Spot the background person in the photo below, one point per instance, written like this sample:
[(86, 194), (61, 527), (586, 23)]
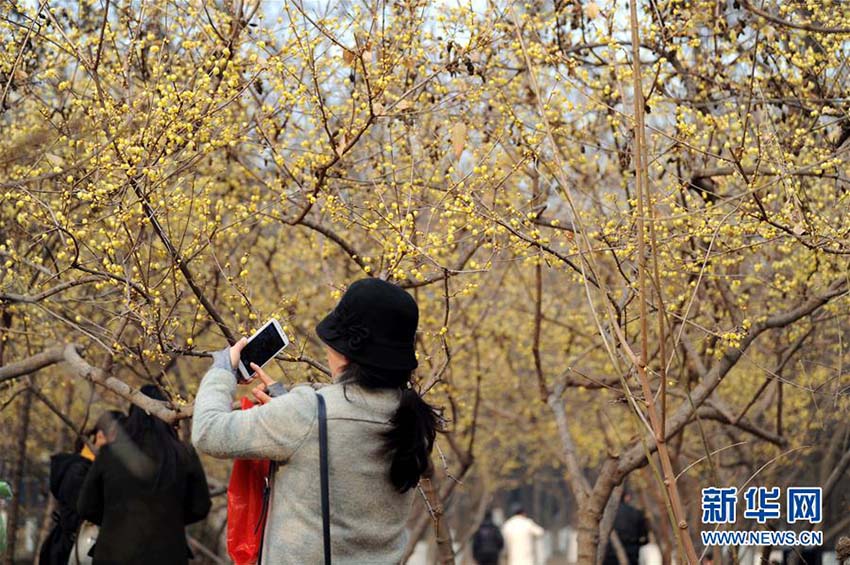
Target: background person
[(5, 494), (142, 490), (521, 534), (67, 474), (487, 543), (380, 433), (630, 525), (107, 428)]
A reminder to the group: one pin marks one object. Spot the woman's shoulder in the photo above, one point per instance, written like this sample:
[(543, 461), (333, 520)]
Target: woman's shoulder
[(300, 398), (301, 393), (354, 401)]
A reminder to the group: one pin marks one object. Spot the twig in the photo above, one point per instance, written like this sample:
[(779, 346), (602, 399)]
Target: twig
[(32, 299), (657, 422), (206, 551), (785, 23)]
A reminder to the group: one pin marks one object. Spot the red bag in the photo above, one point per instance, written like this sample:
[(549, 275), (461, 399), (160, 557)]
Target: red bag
[(246, 512)]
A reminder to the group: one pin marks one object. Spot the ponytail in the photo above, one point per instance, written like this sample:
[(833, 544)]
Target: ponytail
[(409, 441)]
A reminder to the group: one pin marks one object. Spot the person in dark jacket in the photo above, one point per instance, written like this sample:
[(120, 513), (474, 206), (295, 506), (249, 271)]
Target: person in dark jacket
[(67, 474), (487, 543), (631, 528), (142, 491)]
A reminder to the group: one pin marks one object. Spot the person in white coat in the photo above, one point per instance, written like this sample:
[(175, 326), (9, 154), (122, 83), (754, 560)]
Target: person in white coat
[(521, 534)]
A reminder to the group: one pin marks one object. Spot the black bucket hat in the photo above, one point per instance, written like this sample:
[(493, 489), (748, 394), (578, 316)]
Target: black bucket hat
[(374, 324)]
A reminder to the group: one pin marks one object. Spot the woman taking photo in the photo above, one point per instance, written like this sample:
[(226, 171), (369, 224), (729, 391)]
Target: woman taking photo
[(142, 490), (380, 433)]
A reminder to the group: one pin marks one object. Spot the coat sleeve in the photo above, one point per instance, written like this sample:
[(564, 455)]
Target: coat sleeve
[(272, 431), (536, 530), (72, 484), (197, 504), (506, 539), (90, 502)]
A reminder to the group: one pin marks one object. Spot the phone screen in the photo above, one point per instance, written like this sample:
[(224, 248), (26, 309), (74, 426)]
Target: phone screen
[(262, 348)]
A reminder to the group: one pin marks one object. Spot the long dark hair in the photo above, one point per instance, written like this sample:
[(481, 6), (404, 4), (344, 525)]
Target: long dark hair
[(156, 439), (409, 441)]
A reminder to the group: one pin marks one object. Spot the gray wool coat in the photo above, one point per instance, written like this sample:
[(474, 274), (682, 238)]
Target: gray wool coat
[(368, 514)]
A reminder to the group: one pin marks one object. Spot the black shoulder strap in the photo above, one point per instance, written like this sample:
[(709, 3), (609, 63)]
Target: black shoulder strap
[(323, 463), (264, 509)]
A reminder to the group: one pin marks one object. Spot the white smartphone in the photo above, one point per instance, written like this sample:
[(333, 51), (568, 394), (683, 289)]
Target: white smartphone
[(266, 342)]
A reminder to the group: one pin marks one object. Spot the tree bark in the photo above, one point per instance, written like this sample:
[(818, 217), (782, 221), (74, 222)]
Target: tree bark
[(662, 534), (18, 477), (592, 507), (421, 525), (445, 551), (70, 354), (588, 534), (61, 437), (32, 364), (606, 527)]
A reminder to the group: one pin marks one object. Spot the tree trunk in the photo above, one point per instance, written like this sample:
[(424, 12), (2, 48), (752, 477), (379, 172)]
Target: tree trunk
[(421, 524), (61, 438), (44, 529), (662, 534), (619, 550), (606, 524), (591, 508), (471, 523), (18, 477), (588, 534), (442, 534)]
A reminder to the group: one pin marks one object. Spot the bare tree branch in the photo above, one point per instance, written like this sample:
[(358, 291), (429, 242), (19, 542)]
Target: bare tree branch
[(785, 23), (32, 299), (51, 356), (635, 456), (70, 354)]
